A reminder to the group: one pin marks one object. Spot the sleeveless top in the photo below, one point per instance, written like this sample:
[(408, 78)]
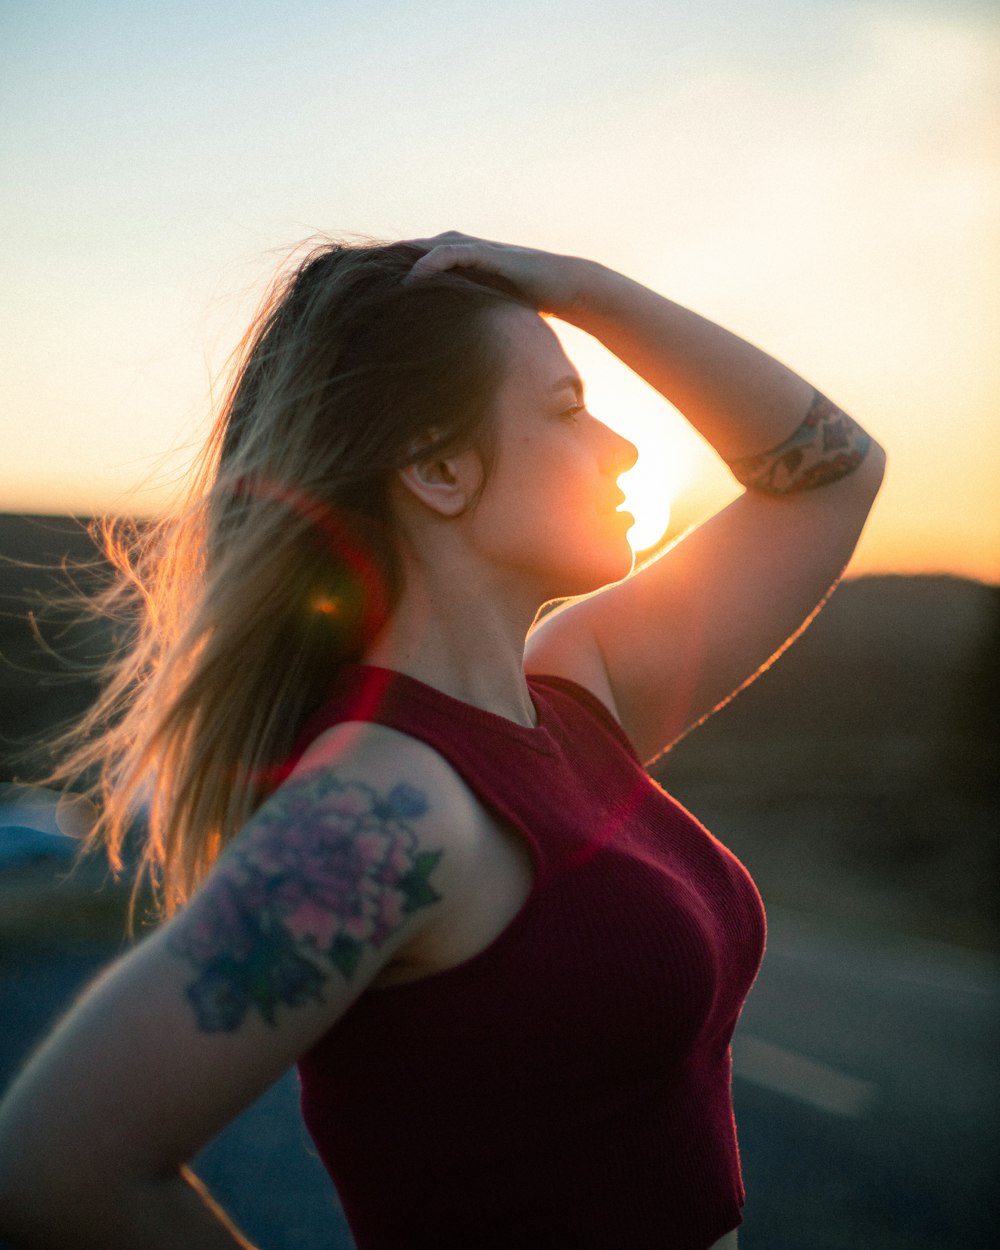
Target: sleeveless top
[(570, 1085)]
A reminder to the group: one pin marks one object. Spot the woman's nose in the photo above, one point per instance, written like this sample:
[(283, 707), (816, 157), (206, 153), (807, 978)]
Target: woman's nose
[(616, 453), (624, 454)]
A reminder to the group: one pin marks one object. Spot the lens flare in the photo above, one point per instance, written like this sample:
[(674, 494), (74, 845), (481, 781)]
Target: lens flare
[(348, 601), (326, 605)]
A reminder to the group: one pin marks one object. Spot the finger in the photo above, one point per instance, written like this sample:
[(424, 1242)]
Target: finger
[(439, 240), (448, 256)]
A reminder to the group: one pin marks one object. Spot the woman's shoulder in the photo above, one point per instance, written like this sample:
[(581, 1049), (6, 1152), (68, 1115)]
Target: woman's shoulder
[(557, 652), (386, 772)]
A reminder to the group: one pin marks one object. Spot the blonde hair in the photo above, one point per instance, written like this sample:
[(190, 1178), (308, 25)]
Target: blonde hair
[(234, 613)]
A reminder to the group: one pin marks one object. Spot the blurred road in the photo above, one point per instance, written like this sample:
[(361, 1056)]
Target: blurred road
[(865, 1084), (867, 1095)]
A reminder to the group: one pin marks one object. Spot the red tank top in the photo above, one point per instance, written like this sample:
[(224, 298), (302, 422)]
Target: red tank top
[(570, 1085)]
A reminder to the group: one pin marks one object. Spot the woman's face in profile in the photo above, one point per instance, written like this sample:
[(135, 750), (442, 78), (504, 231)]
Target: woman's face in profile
[(549, 511)]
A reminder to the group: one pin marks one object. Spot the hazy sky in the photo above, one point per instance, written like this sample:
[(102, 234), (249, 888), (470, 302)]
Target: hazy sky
[(820, 175)]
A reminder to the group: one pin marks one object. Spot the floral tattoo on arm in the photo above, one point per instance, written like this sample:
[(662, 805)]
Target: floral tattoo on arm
[(828, 445), (332, 868)]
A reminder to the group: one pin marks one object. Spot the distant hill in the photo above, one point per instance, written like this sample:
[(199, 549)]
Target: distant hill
[(856, 777), (899, 657), (41, 558)]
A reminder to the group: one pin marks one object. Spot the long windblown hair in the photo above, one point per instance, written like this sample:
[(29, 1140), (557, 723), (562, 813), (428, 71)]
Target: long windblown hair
[(279, 565)]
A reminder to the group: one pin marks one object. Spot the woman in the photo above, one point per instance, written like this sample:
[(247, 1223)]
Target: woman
[(422, 856)]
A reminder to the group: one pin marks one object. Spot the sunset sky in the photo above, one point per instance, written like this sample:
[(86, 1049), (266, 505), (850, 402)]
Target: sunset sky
[(821, 176)]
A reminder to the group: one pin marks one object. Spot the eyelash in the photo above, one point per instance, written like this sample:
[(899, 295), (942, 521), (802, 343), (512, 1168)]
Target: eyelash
[(572, 413)]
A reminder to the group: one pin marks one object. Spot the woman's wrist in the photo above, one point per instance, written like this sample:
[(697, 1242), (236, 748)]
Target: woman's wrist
[(593, 291)]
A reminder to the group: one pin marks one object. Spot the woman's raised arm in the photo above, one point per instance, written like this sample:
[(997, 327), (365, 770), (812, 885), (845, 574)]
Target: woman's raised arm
[(342, 866), (672, 642)]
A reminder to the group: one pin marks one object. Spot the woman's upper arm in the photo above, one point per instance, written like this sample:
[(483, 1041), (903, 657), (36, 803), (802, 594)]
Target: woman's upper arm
[(668, 645), (331, 877)]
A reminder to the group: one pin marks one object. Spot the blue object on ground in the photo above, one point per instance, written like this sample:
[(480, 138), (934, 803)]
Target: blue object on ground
[(21, 845)]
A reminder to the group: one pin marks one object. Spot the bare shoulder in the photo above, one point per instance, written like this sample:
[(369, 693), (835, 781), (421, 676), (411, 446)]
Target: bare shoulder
[(383, 759), (344, 864), (403, 779), (564, 644), (400, 778), (482, 868)]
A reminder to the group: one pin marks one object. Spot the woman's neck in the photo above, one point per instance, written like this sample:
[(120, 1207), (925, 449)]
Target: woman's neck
[(462, 637)]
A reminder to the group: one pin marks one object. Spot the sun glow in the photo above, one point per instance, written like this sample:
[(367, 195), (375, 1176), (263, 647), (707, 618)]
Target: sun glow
[(667, 448), (647, 498)]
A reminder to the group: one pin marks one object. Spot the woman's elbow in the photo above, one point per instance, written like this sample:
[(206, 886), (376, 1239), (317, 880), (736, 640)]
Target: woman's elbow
[(878, 457)]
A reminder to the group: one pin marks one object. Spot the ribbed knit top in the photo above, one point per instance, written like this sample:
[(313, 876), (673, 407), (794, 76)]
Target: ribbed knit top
[(570, 1085)]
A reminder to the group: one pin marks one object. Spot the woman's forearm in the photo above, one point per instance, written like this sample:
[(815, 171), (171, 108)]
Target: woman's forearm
[(743, 401), (739, 398), (155, 1215), (777, 433)]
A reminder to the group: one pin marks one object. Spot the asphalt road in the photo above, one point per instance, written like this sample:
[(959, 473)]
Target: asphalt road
[(865, 1085), (867, 1095)]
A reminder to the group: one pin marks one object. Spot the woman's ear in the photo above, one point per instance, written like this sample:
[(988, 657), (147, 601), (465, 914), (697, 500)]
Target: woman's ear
[(445, 484)]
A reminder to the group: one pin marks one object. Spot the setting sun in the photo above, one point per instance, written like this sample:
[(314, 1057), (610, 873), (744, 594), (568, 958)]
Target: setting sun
[(667, 447), (648, 501)]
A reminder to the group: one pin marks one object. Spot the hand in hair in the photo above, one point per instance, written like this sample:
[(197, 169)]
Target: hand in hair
[(553, 283)]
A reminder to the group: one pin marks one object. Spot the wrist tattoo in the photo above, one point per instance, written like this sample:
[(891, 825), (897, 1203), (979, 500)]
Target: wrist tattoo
[(827, 446)]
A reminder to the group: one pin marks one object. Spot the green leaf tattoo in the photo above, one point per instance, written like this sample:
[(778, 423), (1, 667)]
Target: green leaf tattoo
[(332, 868)]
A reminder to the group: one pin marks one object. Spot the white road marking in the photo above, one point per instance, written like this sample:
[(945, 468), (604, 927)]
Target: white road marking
[(785, 1072)]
